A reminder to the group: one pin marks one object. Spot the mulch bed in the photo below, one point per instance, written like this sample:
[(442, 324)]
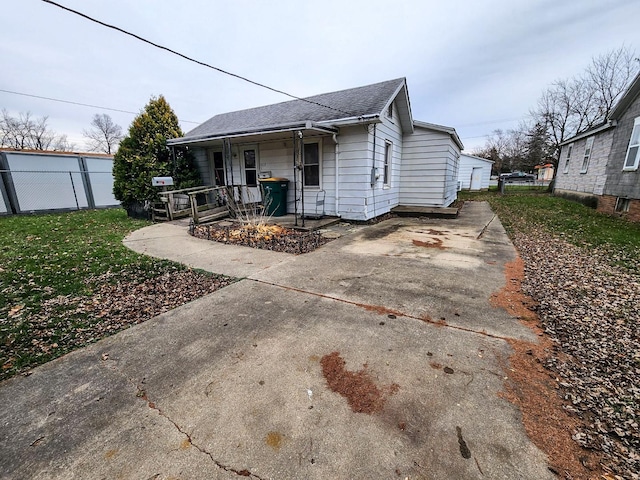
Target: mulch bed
[(262, 236)]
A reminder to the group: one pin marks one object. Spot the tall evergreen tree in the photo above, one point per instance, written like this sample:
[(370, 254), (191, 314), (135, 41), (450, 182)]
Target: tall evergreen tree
[(144, 154)]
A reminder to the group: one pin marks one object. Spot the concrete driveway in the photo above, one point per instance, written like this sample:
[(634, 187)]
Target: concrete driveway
[(376, 356)]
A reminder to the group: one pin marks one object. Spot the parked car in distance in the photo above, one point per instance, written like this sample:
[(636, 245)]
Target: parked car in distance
[(517, 177)]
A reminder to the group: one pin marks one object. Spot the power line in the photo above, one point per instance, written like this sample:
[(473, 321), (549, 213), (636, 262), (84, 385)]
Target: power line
[(78, 103), (204, 64)]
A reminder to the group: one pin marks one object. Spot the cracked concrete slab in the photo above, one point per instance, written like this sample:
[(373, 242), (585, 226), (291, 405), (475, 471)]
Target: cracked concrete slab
[(233, 384)]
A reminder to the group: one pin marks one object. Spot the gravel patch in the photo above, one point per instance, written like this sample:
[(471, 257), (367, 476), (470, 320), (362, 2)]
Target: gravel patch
[(591, 311)]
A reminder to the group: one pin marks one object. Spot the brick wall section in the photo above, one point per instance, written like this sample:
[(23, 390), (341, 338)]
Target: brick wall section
[(593, 181), (621, 183), (607, 204)]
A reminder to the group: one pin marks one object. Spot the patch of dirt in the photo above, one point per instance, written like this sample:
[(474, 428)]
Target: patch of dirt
[(362, 394), (510, 297), (262, 236), (437, 243), (535, 391)]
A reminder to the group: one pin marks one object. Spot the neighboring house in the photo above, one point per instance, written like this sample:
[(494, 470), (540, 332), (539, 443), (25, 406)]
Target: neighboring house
[(599, 167), (544, 173), (39, 181), (474, 173), (359, 150)]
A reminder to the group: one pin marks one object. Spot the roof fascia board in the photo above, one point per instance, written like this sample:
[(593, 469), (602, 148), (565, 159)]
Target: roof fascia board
[(477, 158), (407, 124), (371, 118), (627, 98), (588, 133), (291, 128), (441, 128)]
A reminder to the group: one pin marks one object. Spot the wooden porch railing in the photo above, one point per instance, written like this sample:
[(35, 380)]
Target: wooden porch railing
[(173, 204), (205, 204)]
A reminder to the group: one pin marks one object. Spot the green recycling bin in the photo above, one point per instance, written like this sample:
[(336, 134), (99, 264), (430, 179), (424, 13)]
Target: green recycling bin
[(274, 195)]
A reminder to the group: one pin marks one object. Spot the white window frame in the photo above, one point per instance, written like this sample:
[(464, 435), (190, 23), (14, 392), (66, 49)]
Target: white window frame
[(636, 160), (587, 155), (211, 152), (243, 165), (568, 158), (319, 142), (387, 164), (622, 205), (390, 111)]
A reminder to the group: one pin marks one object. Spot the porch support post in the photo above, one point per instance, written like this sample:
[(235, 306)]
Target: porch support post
[(295, 182), (228, 161)]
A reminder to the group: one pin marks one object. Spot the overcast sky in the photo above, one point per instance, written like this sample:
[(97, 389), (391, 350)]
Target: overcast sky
[(475, 65)]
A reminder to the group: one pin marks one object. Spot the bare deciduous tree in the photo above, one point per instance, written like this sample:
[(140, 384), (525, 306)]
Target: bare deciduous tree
[(26, 132), (571, 106), (104, 135)]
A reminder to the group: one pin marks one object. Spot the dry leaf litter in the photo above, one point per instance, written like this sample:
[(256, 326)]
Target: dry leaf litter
[(591, 311)]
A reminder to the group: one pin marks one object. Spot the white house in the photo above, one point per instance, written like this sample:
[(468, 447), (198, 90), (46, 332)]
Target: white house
[(358, 149), (474, 172)]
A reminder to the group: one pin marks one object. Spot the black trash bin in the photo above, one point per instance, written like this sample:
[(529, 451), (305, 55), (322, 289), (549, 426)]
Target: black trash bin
[(274, 195)]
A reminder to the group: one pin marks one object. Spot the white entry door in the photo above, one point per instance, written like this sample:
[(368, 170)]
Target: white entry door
[(250, 166), (476, 178)]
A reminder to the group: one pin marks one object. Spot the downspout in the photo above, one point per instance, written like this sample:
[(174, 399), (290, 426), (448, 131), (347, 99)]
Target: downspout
[(300, 135), (374, 179), (337, 195)]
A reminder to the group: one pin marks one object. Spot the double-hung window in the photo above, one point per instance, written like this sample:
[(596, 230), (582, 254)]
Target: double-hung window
[(386, 172), (250, 168), (568, 159), (312, 164), (587, 154), (633, 151)]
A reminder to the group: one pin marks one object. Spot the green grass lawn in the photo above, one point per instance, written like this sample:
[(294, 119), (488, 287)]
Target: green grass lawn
[(52, 260), (576, 223)]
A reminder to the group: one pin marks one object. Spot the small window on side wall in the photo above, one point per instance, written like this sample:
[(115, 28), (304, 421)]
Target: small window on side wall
[(388, 155), (390, 110), (587, 154), (568, 159), (633, 151)]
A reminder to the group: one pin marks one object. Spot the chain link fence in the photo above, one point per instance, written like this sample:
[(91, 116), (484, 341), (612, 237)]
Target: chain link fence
[(32, 182)]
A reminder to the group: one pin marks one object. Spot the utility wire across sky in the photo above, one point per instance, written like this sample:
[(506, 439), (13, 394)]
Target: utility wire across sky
[(79, 103), (190, 59)]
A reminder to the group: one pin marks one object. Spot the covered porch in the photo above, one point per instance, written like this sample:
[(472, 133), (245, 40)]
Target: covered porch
[(301, 154)]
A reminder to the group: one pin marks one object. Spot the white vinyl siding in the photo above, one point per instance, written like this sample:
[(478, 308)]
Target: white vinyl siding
[(633, 151), (467, 164), (429, 169), (587, 154), (382, 198)]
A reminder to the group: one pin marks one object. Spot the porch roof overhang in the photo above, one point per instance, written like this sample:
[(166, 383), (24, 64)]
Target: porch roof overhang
[(274, 132)]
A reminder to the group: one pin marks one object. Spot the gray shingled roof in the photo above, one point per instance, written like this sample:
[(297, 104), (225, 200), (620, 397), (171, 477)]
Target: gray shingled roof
[(354, 102)]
